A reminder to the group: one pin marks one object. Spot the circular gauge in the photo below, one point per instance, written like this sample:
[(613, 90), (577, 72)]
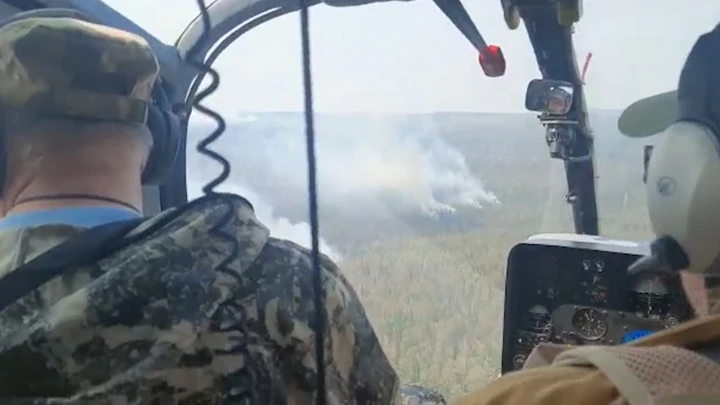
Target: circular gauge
[(599, 265), (590, 324), (539, 310), (538, 317), (671, 321), (519, 361), (651, 285)]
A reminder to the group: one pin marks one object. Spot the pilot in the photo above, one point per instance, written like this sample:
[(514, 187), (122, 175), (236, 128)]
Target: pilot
[(680, 365), (161, 319)]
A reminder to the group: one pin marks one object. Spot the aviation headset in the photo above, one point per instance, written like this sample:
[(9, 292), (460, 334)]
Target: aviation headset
[(683, 176), (162, 122)]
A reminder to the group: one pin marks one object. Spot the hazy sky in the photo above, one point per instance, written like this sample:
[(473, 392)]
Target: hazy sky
[(409, 57)]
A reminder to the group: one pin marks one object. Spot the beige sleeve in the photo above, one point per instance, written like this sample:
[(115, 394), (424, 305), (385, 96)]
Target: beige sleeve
[(546, 386)]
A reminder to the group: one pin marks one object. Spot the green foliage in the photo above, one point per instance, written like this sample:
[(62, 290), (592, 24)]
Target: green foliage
[(437, 302), (436, 299)]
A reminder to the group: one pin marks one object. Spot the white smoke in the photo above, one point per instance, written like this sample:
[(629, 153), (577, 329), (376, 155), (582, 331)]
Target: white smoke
[(413, 167), (367, 164), (280, 228)]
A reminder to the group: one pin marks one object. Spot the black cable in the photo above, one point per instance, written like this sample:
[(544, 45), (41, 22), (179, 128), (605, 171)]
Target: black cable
[(241, 384), (195, 61), (205, 68), (231, 37), (312, 192)]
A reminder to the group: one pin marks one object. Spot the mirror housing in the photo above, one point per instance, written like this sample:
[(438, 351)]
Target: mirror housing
[(553, 97), (647, 153)]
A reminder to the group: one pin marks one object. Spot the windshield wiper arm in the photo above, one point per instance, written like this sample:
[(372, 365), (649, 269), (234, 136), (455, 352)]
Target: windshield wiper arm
[(457, 14), (490, 57)]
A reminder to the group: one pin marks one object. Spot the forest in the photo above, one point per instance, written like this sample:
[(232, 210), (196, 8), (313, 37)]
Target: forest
[(433, 284)]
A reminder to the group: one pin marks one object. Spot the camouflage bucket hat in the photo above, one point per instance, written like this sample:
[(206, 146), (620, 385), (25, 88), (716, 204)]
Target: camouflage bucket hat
[(69, 67)]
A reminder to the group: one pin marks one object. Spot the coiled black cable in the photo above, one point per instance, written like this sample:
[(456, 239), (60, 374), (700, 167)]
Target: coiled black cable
[(208, 189), (231, 37), (203, 145), (195, 61), (243, 383)]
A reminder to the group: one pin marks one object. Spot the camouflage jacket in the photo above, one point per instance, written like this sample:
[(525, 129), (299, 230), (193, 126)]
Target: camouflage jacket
[(165, 321)]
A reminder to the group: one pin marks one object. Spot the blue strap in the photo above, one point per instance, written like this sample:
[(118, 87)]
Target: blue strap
[(636, 334)]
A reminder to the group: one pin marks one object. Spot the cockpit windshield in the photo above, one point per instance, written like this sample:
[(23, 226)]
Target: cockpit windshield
[(429, 171)]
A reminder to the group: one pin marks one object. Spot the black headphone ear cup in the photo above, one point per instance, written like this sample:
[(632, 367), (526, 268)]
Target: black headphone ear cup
[(165, 129), (172, 142), (156, 127)]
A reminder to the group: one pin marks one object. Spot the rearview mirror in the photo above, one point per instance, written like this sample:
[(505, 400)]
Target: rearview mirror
[(549, 96)]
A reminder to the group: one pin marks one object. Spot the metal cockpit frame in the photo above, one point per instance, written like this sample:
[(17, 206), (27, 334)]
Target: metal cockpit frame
[(550, 26)]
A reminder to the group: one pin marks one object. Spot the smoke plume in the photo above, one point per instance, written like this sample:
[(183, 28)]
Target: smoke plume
[(369, 167)]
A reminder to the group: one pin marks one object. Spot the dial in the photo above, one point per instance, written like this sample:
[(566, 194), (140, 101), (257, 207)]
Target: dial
[(598, 295), (593, 266), (589, 323), (594, 289), (652, 296), (586, 264), (519, 361), (599, 266), (651, 285), (538, 318), (671, 321)]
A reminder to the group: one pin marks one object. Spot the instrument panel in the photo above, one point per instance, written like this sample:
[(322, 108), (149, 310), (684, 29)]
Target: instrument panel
[(575, 289)]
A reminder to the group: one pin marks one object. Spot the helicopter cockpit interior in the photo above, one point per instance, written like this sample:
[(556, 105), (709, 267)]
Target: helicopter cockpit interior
[(576, 290), (564, 288)]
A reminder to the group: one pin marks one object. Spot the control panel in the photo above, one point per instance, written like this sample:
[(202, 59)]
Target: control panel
[(575, 290)]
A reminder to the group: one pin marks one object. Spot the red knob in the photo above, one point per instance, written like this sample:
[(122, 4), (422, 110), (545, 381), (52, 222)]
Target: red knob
[(492, 61)]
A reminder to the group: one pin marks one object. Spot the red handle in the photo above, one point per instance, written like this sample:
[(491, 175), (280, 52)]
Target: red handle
[(492, 61)]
